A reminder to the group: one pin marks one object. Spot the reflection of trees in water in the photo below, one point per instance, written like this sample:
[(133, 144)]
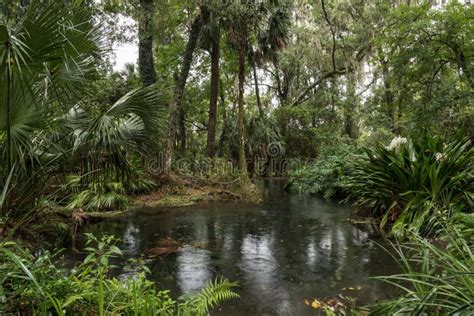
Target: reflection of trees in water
[(193, 269), (260, 271), (280, 252), (131, 240)]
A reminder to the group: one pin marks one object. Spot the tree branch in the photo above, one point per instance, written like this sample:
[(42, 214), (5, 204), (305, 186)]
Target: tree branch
[(301, 98)]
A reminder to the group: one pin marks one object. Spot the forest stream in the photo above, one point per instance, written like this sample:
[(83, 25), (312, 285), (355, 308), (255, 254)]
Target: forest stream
[(287, 250)]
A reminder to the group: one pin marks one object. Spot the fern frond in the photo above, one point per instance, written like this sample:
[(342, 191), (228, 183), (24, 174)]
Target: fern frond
[(209, 297)]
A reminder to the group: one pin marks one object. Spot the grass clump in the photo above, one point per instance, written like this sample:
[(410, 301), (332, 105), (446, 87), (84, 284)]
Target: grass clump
[(437, 277)]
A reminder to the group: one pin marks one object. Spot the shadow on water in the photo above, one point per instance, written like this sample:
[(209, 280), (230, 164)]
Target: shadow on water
[(290, 248)]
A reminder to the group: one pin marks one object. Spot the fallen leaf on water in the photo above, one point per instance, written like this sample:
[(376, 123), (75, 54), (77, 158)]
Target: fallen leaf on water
[(307, 302), (168, 242), (158, 251), (316, 304)]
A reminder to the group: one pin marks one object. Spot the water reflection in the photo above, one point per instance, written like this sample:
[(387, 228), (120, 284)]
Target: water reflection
[(291, 248), (130, 239), (193, 269)]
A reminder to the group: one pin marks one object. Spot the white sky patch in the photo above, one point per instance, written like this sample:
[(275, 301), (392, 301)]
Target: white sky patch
[(125, 53)]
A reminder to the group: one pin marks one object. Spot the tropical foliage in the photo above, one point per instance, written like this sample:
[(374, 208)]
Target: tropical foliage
[(45, 288), (246, 84), (49, 124), (411, 183), (437, 278), (327, 176)]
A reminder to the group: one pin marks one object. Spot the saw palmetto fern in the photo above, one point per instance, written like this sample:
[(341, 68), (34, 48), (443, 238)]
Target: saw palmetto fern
[(48, 54), (104, 141)]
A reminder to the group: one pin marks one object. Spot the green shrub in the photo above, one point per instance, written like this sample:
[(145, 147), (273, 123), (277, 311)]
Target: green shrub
[(410, 184), (33, 284), (100, 196), (327, 176)]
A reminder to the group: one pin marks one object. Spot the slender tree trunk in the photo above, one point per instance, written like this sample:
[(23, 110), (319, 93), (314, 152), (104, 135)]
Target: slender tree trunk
[(182, 130), (462, 64), (389, 98), (211, 131), (349, 107), (179, 90), (242, 160), (332, 90), (145, 43), (257, 89), (225, 127)]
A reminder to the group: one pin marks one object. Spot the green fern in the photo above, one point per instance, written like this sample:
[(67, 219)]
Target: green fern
[(36, 283), (213, 294)]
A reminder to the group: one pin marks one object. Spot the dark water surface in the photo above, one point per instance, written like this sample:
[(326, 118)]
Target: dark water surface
[(290, 248)]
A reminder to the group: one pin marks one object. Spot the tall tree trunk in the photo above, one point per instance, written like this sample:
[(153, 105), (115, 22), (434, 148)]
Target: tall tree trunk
[(145, 43), (350, 127), (333, 91), (182, 130), (389, 98), (225, 124), (257, 89), (462, 64), (242, 160), (9, 88), (211, 127), (179, 90)]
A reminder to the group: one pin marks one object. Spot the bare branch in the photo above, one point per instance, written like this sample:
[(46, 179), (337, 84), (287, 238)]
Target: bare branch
[(301, 98)]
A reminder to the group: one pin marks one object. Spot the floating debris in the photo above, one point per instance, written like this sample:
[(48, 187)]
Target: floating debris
[(165, 246)]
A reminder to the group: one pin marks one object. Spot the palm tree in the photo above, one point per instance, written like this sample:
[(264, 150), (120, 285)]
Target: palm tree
[(247, 21), (48, 55), (102, 142)]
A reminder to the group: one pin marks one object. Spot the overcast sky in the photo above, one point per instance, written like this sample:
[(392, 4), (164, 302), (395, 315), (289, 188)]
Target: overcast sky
[(125, 54)]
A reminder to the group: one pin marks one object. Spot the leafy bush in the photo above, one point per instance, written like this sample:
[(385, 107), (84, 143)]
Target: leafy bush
[(101, 194), (35, 285), (436, 278), (327, 176), (57, 127), (139, 182), (410, 184)]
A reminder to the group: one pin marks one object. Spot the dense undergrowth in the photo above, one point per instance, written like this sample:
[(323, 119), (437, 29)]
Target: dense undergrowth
[(34, 282), (326, 176), (420, 191), (437, 275), (406, 185)]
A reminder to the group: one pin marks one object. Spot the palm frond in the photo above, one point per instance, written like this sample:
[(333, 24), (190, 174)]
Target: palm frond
[(135, 119)]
